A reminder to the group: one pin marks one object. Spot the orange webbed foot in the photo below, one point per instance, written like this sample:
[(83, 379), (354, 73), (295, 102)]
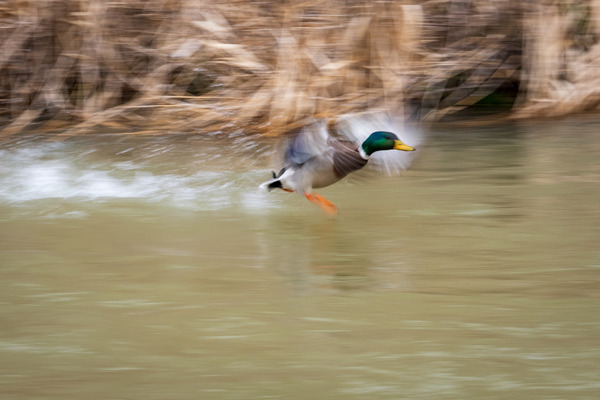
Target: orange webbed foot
[(322, 202)]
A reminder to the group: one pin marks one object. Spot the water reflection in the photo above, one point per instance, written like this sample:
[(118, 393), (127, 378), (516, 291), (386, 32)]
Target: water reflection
[(151, 266), (323, 253)]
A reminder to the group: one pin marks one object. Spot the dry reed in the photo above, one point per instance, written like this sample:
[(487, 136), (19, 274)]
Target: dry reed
[(185, 65)]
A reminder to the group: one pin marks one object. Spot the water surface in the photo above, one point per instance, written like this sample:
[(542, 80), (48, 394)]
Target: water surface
[(151, 267)]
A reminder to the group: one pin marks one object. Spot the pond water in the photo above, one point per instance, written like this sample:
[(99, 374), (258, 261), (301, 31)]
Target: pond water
[(151, 268)]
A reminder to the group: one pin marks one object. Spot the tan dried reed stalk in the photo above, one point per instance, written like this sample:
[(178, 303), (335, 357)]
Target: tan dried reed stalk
[(270, 67)]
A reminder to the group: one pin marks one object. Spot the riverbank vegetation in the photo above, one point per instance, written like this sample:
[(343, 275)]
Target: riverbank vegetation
[(269, 66)]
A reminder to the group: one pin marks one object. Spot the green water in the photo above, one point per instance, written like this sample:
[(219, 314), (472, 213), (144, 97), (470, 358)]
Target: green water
[(151, 268)]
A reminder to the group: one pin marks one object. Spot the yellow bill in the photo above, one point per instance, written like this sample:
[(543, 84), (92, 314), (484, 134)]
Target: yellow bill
[(398, 145)]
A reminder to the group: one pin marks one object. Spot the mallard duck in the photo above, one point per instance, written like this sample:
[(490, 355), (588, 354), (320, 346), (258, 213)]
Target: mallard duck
[(315, 159)]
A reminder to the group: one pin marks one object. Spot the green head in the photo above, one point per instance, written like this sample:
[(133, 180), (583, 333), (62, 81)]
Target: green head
[(380, 140)]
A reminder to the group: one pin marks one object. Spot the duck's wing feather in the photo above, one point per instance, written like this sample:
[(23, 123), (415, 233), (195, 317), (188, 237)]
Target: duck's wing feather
[(346, 158), (310, 142)]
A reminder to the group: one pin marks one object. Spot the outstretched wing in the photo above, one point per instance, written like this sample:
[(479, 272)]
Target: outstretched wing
[(310, 142)]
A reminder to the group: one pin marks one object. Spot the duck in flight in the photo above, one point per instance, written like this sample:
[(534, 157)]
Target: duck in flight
[(315, 159)]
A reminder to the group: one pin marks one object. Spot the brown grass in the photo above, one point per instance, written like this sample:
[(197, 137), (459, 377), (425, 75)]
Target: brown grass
[(80, 65)]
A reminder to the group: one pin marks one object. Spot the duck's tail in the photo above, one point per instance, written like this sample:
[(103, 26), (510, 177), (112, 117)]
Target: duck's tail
[(273, 183), (270, 185)]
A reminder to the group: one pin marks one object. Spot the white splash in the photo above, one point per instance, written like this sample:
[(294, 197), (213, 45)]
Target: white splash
[(45, 172)]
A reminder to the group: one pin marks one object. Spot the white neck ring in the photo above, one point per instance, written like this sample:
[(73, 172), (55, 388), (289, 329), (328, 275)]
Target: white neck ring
[(362, 153)]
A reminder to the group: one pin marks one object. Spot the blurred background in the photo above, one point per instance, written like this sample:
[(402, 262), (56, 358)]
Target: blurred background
[(138, 260), (268, 65)]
